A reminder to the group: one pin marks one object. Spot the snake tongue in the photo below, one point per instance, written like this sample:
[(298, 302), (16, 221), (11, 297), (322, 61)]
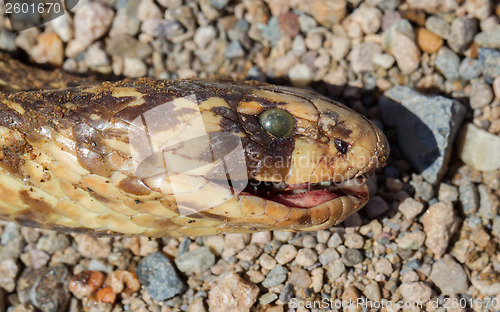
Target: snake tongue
[(305, 199)]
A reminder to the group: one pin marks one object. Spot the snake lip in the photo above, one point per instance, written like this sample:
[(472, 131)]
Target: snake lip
[(307, 195)]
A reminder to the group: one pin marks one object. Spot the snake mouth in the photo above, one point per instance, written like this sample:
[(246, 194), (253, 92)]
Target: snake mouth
[(308, 195)]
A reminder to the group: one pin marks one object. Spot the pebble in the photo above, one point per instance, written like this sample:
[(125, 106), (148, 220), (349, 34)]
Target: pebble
[(328, 255), (447, 62), (97, 59), (449, 276), (410, 208), (340, 47), (92, 21), (416, 291), (159, 277), (361, 56), (479, 148), (287, 293), (440, 223), (468, 196), (354, 240), (232, 293), (368, 17), (53, 242), (306, 257), (234, 50), (478, 8), (376, 207), (334, 241), (126, 21), (351, 257), (488, 203), (438, 26), (276, 276), (195, 261), (372, 292), (383, 60), (335, 270), (496, 87), (289, 24), (300, 278), (127, 46), (428, 41), (481, 94), (204, 35), (272, 31), (470, 68), (447, 193), (8, 272), (434, 121), (462, 33), (405, 51), (489, 39), (384, 266), (412, 240), (327, 13), (267, 298), (147, 9), (50, 292), (48, 50), (300, 75), (490, 62)]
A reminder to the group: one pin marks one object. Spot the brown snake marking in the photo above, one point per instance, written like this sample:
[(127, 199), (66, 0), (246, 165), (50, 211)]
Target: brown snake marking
[(68, 157)]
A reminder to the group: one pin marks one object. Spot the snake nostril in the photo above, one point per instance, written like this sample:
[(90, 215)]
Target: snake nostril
[(341, 146)]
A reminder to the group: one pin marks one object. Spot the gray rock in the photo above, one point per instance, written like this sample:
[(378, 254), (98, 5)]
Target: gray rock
[(127, 46), (447, 63), (413, 240), (234, 50), (487, 207), (490, 62), (489, 39), (50, 292), (468, 196), (335, 270), (219, 4), (197, 260), (426, 128), (416, 291), (287, 293), (158, 276), (272, 31), (276, 276), (470, 68), (438, 26), (462, 32), (351, 257), (449, 276), (7, 40), (328, 255)]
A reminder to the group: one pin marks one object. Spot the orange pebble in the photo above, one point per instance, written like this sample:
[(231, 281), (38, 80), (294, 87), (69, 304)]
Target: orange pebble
[(428, 41), (106, 294)]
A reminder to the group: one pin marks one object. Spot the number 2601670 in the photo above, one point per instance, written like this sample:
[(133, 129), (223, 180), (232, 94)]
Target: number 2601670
[(40, 7)]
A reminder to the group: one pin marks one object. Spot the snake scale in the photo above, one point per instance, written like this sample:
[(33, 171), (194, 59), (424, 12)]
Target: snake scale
[(182, 157)]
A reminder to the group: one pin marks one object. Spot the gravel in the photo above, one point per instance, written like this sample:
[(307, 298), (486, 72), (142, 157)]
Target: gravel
[(431, 230)]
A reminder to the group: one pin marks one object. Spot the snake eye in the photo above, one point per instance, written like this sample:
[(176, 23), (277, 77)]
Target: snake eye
[(278, 122)]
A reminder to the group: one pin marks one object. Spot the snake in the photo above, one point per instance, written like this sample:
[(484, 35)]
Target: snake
[(178, 157)]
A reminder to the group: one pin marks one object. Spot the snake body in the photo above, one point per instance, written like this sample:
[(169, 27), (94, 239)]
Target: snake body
[(92, 158)]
